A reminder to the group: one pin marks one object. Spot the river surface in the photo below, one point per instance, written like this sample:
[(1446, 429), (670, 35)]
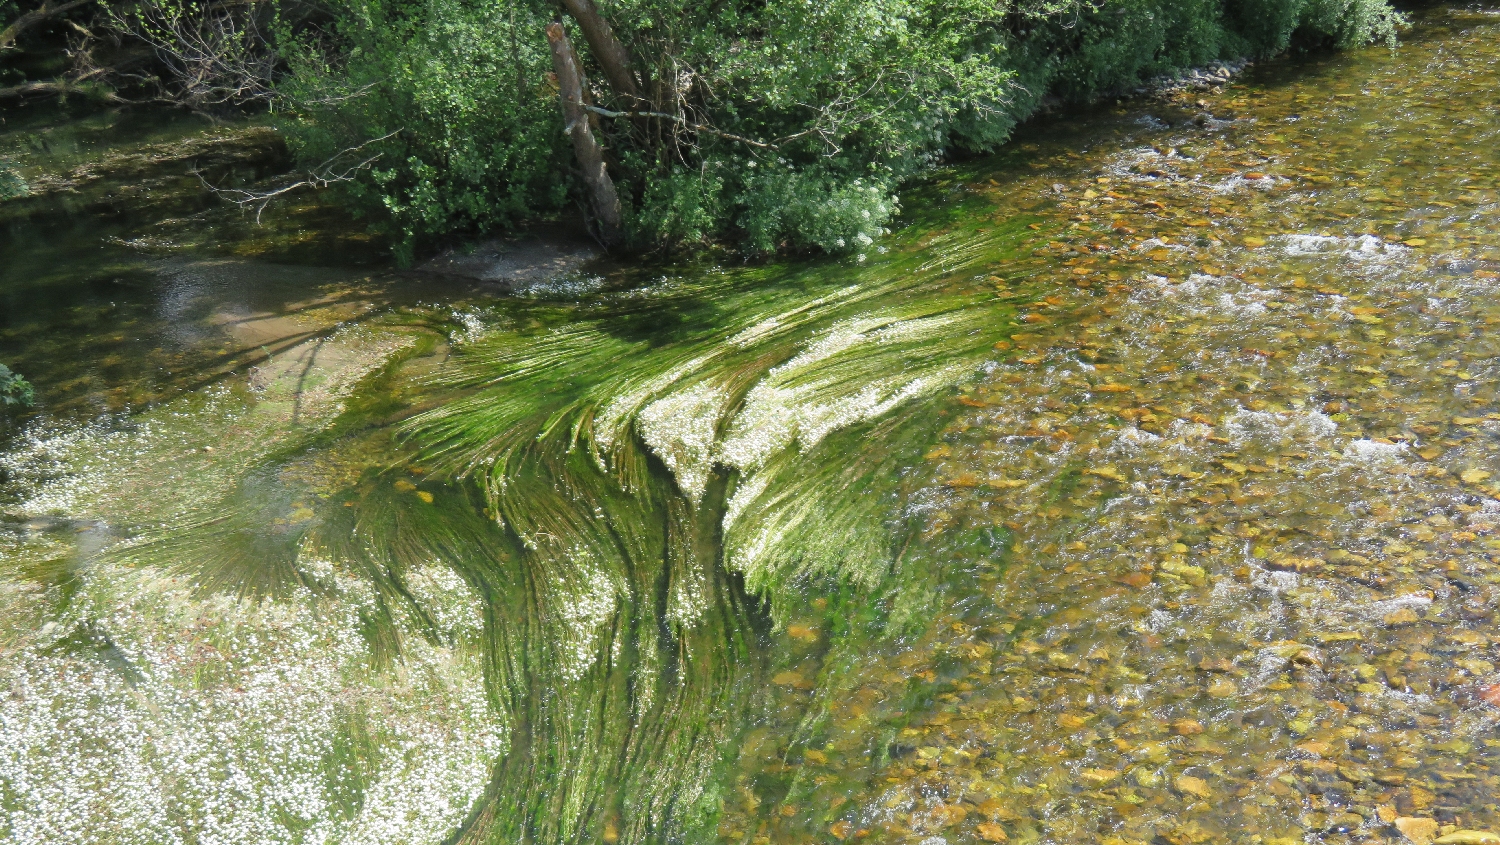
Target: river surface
[(1143, 487)]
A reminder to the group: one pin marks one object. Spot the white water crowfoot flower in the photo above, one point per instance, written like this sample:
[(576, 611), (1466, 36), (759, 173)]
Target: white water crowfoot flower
[(150, 716)]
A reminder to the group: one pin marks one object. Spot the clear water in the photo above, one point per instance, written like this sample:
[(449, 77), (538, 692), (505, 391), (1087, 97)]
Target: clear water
[(1141, 490)]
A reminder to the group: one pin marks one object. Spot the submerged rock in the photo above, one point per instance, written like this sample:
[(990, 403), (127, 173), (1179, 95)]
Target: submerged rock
[(1468, 837), (549, 263)]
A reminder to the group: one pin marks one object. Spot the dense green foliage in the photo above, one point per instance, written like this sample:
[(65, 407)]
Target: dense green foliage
[(15, 391), (852, 97), (477, 142)]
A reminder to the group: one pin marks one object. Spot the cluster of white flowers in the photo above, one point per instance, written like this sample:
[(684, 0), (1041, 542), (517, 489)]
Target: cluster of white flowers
[(589, 598), (792, 405), (145, 714), (474, 326), (681, 428)]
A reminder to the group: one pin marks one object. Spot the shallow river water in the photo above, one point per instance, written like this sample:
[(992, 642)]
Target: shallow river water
[(1142, 488)]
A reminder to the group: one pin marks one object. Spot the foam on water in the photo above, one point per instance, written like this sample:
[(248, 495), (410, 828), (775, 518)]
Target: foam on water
[(1362, 248)]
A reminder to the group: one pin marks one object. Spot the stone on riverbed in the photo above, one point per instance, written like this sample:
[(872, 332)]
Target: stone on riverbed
[(1469, 837), (1416, 830), (542, 259)]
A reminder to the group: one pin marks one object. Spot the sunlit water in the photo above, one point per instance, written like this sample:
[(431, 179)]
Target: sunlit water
[(1142, 490)]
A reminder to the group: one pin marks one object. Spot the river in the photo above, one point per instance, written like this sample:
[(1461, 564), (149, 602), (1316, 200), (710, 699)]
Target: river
[(1140, 488)]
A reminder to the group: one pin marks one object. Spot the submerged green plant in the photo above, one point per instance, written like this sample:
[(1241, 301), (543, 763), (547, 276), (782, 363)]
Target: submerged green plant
[(636, 488), (662, 463), (12, 185)]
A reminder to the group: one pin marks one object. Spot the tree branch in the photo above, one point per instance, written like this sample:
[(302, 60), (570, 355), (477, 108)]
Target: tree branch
[(47, 11), (215, 53), (54, 86), (330, 172), (696, 127)]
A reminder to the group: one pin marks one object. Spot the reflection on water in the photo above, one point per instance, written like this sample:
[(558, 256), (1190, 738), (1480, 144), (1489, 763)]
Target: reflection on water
[(1142, 491)]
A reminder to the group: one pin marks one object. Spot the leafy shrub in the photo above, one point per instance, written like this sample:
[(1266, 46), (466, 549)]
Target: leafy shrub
[(469, 137), (15, 391), (682, 207), (786, 207), (1349, 23)]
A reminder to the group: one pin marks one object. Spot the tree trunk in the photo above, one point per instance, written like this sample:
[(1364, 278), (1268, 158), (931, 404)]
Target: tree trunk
[(586, 147), (612, 56)]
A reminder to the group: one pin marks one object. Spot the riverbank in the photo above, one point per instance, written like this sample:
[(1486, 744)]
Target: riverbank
[(158, 168)]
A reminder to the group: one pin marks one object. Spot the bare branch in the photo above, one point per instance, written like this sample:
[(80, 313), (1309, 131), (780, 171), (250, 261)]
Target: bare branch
[(215, 52), (344, 98), (342, 166), (53, 87)]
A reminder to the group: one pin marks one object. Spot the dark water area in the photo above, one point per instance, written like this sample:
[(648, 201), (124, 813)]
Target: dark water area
[(1139, 489)]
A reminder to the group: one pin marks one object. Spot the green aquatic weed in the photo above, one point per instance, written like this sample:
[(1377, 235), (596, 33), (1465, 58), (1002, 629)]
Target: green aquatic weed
[(12, 186)]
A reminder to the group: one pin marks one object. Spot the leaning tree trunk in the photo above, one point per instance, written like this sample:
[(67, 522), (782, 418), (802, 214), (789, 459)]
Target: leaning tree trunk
[(607, 49), (601, 188)]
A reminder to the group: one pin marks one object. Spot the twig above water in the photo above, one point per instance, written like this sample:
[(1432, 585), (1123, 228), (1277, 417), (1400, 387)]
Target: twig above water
[(331, 172)]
